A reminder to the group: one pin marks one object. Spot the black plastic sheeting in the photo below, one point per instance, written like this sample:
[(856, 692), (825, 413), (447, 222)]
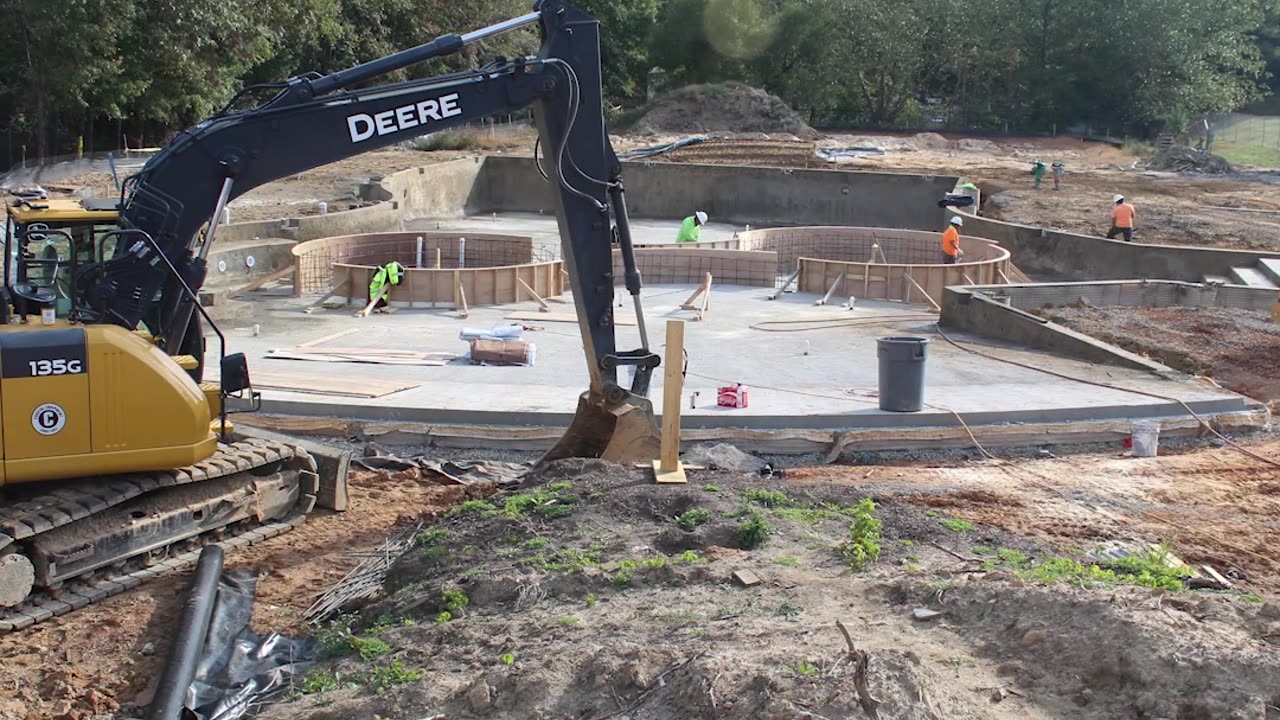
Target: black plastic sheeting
[(655, 150), (240, 670)]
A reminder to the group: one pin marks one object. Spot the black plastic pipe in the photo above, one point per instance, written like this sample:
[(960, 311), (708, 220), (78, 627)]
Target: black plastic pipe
[(184, 655)]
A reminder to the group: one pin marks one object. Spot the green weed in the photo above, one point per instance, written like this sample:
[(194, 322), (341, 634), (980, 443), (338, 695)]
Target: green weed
[(753, 532), (444, 617), (569, 621), (549, 502), (803, 668), (1150, 570), (787, 560), (534, 543), (789, 609), (508, 659), (454, 600), (711, 488), (320, 680), (591, 599), (980, 550), (622, 579), (863, 545), (473, 508), (431, 536), (767, 498), (906, 543), (956, 524), (339, 641), (1250, 597), (688, 557), (691, 519), (385, 677)]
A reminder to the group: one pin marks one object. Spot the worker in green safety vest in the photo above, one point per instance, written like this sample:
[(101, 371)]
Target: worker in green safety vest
[(388, 274), (691, 227)]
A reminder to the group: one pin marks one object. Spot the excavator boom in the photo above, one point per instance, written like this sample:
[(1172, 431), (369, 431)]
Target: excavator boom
[(313, 121)]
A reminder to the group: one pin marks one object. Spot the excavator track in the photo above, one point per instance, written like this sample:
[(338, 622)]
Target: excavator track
[(239, 469)]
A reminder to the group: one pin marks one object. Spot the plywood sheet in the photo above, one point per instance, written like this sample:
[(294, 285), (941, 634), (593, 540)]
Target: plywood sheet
[(325, 384)]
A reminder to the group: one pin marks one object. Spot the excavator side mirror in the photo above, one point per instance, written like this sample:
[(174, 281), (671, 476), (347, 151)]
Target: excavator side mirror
[(235, 374)]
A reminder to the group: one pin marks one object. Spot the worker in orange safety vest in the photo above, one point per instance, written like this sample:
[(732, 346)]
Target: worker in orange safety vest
[(951, 241), (1121, 219)]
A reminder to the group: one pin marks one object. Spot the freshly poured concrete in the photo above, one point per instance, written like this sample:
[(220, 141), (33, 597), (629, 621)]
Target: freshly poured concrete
[(823, 379)]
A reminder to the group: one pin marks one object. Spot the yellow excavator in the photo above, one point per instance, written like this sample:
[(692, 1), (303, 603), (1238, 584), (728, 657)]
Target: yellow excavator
[(117, 464)]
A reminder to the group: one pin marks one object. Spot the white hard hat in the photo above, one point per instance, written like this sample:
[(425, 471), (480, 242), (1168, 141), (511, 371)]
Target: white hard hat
[(1118, 198), (957, 220), (702, 217)]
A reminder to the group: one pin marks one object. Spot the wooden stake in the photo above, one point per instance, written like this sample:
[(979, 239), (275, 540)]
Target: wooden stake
[(340, 286), (462, 297), (831, 290), (437, 258), (667, 468), (922, 292), (542, 304), (1275, 311), (364, 312), (261, 280), (702, 287), (706, 299), (786, 284)]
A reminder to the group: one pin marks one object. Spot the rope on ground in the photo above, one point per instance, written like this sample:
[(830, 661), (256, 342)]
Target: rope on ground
[(828, 323), (1035, 479), (1205, 423)]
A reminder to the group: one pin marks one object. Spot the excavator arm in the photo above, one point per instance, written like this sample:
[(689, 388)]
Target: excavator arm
[(172, 205)]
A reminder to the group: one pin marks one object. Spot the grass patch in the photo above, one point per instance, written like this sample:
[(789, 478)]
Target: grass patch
[(550, 502), (1150, 570), (339, 641), (691, 519), (507, 659), (569, 560), (1238, 153), (454, 600), (767, 498), (956, 524), (863, 545), (787, 560), (711, 488), (753, 532), (789, 609), (1250, 597), (570, 620)]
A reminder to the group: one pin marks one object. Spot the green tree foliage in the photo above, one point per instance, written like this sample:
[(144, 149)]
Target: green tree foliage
[(94, 68)]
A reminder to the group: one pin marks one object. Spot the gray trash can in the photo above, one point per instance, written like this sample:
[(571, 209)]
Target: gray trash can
[(902, 372)]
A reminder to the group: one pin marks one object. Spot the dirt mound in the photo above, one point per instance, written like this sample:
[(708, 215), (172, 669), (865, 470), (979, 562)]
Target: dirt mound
[(1179, 158), (977, 145), (594, 593), (1235, 347), (932, 141), (727, 107)]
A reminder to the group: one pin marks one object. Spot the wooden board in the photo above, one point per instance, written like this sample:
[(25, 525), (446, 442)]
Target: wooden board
[(356, 358), (344, 386), (327, 338), (561, 317)]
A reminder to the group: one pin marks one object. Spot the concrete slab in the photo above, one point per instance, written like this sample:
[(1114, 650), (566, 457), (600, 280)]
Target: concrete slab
[(824, 379), (1253, 277)]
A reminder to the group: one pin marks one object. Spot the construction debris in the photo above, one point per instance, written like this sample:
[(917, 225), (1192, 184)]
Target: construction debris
[(1180, 158)]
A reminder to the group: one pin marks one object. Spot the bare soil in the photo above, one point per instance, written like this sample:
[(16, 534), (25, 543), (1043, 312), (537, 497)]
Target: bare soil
[(1237, 348), (1047, 651), (683, 640)]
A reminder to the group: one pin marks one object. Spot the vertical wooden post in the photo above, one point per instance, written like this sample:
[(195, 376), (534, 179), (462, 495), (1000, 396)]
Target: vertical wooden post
[(667, 468)]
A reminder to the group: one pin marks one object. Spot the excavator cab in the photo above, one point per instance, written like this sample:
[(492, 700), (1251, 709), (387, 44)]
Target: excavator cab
[(48, 240)]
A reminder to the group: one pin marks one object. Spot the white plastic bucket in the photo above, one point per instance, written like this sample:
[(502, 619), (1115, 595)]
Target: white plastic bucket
[(1146, 438)]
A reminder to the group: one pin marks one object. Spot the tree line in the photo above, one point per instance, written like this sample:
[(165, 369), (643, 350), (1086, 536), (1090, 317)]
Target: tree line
[(97, 74)]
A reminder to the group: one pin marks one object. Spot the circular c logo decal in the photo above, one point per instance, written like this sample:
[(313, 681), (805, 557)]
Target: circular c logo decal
[(48, 419)]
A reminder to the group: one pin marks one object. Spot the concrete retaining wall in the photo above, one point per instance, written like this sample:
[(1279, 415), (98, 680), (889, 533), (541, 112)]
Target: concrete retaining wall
[(974, 312), (743, 195), (1002, 312), (1070, 256)]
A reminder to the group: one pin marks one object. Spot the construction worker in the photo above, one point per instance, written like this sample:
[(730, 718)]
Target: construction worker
[(691, 227), (1059, 169), (951, 241), (385, 275), (1122, 215), (1037, 171)]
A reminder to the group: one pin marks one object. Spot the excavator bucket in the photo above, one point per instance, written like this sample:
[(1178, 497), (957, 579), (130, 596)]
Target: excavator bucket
[(624, 431)]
